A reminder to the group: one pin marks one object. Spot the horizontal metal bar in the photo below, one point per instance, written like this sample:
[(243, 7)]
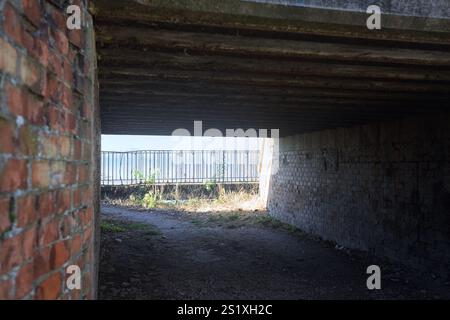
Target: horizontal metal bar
[(179, 166)]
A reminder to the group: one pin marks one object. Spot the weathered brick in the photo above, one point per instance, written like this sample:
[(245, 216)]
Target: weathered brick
[(86, 216), (27, 41), (62, 200), (49, 232), (26, 210), (16, 100), (27, 141), (11, 254), (41, 259), (6, 287), (57, 172), (22, 102), (54, 117), (40, 173), (55, 65), (83, 174), (68, 76), (76, 38), (74, 295), (5, 222), (76, 196), (24, 281), (8, 58), (70, 122), (59, 254), (61, 41), (68, 225), (86, 195), (50, 288), (65, 143), (76, 244), (35, 110), (85, 286), (14, 175), (52, 89), (77, 149), (31, 74), (57, 17), (7, 136), (12, 23), (70, 174), (40, 52), (49, 146), (46, 204), (44, 91), (29, 242), (86, 151), (32, 11), (66, 98), (87, 235)]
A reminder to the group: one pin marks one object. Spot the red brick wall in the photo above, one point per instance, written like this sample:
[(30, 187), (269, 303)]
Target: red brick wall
[(47, 111)]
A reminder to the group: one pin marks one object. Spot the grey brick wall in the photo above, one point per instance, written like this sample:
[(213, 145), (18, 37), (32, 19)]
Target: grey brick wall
[(382, 187)]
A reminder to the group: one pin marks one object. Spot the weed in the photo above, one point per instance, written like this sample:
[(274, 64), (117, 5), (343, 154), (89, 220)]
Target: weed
[(150, 200), (108, 226), (210, 185)]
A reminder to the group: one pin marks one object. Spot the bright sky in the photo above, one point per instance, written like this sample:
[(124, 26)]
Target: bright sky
[(130, 143)]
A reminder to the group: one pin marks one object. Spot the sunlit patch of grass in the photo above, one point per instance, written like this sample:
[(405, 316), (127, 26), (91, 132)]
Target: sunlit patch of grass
[(122, 226), (112, 227), (268, 221), (236, 219)]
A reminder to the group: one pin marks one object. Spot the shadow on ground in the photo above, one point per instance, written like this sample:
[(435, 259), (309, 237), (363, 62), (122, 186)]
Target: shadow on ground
[(238, 255)]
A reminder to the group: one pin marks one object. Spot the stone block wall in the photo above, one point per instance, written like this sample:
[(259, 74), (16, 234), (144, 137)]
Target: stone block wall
[(382, 187), (47, 163)]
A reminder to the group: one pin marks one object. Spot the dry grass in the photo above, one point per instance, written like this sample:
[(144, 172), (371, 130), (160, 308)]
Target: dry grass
[(225, 202)]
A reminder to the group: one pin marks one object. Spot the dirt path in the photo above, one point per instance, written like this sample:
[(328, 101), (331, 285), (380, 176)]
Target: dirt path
[(175, 258)]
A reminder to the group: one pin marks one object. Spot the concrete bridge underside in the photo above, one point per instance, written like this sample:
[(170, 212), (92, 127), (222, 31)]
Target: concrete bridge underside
[(241, 64)]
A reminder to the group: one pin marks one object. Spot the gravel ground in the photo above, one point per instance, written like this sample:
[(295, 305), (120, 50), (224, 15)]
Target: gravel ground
[(168, 255)]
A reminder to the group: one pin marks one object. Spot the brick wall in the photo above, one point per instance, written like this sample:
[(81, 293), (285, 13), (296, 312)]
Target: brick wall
[(383, 187), (47, 99)]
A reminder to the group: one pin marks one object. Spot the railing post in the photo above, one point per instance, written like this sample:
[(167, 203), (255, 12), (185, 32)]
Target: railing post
[(223, 165)]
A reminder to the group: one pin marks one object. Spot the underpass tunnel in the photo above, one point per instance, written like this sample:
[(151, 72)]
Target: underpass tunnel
[(354, 115), (362, 157)]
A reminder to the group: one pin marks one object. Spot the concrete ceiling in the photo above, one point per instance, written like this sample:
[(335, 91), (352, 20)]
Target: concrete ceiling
[(235, 64)]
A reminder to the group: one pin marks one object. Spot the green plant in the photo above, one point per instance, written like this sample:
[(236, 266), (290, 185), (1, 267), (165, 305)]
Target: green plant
[(210, 185), (138, 175), (107, 226), (149, 193), (150, 200)]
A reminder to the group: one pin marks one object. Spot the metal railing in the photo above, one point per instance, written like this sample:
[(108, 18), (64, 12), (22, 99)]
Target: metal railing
[(179, 166)]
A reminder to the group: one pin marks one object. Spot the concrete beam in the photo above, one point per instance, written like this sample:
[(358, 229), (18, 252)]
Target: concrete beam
[(164, 64)]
